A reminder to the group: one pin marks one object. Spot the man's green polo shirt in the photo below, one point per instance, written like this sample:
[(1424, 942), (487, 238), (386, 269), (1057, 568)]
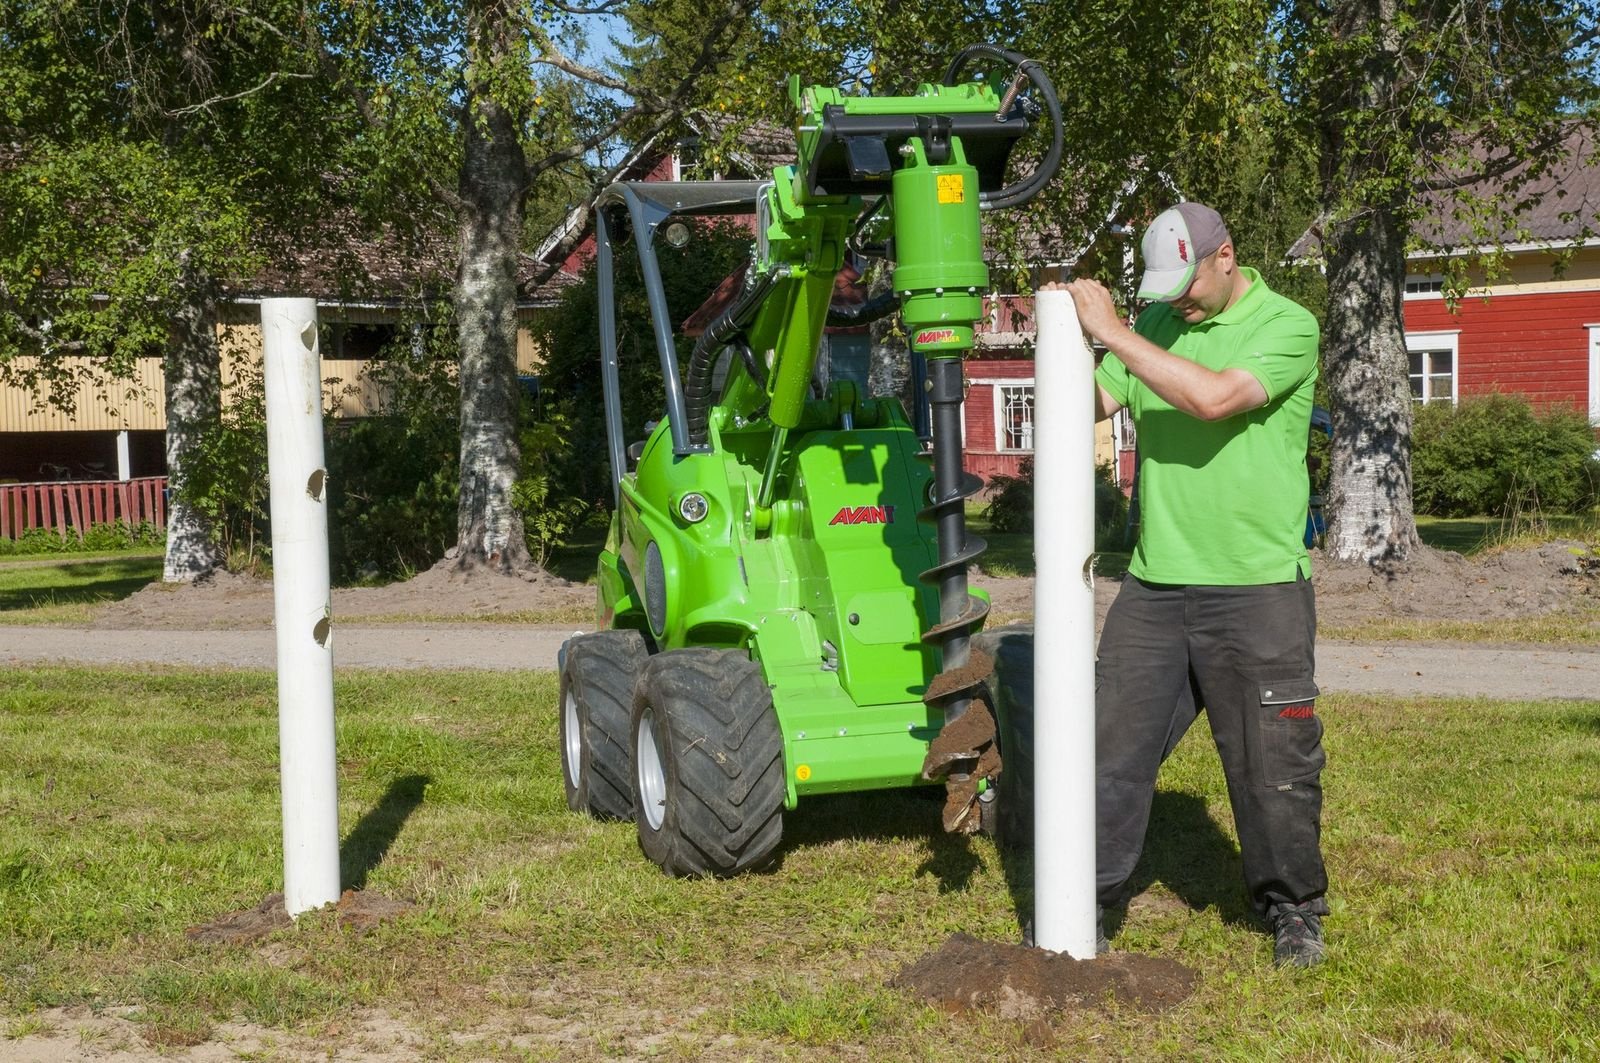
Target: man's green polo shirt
[(1224, 502)]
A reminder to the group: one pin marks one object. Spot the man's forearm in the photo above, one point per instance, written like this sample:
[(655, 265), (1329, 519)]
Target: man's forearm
[(1186, 385)]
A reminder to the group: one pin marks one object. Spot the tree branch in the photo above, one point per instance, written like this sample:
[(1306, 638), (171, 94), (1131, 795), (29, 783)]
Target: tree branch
[(208, 104)]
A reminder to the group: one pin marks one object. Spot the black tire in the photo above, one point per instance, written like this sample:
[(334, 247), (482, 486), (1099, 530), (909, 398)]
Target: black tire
[(598, 673), (708, 782), (1009, 814)]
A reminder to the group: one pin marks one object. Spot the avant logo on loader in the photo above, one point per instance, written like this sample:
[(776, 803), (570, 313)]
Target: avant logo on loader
[(863, 515)]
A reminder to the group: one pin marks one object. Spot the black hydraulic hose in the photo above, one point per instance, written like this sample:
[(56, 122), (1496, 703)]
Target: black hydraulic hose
[(880, 306), (1015, 195), (703, 360)]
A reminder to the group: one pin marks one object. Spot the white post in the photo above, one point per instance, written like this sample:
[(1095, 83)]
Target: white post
[(302, 614), (124, 462), (1063, 660)]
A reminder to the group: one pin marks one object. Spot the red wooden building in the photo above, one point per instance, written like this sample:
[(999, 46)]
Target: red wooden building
[(1531, 329)]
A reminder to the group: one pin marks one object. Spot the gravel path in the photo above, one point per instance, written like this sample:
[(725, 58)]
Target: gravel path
[(1455, 669)]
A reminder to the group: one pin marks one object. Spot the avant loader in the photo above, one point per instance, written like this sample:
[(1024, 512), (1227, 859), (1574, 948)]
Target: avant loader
[(783, 591)]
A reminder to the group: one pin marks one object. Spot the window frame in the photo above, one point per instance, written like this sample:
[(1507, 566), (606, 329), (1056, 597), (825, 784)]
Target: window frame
[(1426, 343)]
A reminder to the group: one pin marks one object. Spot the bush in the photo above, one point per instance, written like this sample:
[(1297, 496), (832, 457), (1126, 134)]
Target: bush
[(97, 538), (1494, 454), (393, 479), (1010, 507)]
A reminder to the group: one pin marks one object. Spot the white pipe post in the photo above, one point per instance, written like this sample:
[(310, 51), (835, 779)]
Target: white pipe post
[(124, 462), (302, 603), (1063, 633)]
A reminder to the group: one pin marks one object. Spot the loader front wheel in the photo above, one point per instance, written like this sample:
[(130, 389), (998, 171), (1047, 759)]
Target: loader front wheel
[(708, 782), (598, 672)]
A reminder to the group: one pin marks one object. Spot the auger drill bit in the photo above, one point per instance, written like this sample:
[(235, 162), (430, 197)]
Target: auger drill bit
[(964, 753)]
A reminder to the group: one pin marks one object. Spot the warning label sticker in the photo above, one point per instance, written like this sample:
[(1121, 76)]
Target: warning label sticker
[(952, 188)]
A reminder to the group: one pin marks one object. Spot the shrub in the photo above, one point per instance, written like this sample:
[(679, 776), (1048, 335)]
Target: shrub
[(1495, 454), (1010, 507), (97, 538), (393, 478), (225, 475)]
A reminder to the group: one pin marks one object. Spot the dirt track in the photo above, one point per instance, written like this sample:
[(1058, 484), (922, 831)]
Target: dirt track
[(1455, 669)]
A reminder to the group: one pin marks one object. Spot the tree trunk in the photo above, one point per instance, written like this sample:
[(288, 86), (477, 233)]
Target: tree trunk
[(1369, 485), (493, 185), (1369, 492), (193, 371)]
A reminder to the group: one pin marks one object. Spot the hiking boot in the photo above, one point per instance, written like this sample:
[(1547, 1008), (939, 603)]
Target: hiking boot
[(1297, 938), (1102, 944)]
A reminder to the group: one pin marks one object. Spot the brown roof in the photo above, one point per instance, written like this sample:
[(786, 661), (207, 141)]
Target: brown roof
[(1551, 209)]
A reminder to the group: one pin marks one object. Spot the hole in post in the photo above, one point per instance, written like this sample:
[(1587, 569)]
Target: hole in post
[(308, 336), (1088, 572), (315, 484), (320, 631)]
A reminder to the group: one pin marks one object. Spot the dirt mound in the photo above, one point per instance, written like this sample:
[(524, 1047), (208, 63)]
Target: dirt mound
[(358, 910), (1440, 585), (229, 600), (1018, 982)]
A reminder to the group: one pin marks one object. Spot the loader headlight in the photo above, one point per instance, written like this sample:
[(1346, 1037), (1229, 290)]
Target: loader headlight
[(692, 507)]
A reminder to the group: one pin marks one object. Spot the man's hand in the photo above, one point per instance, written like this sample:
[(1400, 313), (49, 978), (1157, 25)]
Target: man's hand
[(1105, 405), (1096, 312)]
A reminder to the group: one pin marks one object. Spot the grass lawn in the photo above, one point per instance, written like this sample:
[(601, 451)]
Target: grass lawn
[(1461, 836), (65, 583)]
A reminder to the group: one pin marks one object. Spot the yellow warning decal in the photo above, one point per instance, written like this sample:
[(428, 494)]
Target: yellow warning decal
[(952, 188), (803, 772)]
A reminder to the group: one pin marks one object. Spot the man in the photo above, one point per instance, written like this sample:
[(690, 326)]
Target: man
[(1217, 609)]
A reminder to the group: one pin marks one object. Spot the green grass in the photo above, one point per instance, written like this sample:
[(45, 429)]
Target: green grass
[(1461, 839), (72, 581)]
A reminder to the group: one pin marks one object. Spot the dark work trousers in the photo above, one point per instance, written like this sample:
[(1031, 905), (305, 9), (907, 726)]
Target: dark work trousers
[(1244, 656)]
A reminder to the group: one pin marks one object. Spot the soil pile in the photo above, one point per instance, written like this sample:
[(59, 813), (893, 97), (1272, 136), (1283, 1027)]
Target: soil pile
[(1018, 982), (1439, 585), (1434, 585), (229, 600)]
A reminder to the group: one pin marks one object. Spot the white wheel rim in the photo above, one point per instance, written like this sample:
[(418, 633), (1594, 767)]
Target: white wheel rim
[(572, 748), (652, 780)]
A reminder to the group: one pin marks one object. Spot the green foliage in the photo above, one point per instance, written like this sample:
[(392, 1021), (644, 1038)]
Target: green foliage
[(96, 539), (393, 478), (549, 517), (1494, 454), (225, 478), (1010, 506)]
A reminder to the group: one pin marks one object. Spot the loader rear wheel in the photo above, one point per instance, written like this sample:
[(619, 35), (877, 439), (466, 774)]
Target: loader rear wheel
[(708, 763), (1008, 815), (598, 673)]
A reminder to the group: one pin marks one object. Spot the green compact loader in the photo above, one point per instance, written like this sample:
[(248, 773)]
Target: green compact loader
[(783, 591)]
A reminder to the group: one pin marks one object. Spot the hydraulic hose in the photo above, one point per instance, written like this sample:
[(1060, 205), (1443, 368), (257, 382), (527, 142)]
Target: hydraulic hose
[(727, 327), (1014, 195), (880, 306)]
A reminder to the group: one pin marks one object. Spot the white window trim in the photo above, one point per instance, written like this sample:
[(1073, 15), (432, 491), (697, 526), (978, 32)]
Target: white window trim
[(1429, 278), (1594, 374), (1438, 341), (997, 407)]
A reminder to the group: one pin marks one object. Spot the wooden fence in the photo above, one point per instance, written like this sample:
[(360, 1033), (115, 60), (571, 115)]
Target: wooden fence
[(76, 505)]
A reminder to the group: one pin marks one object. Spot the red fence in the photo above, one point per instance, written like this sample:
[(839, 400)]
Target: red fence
[(76, 505)]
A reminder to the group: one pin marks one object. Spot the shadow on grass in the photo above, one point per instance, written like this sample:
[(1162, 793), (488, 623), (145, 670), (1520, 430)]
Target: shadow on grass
[(365, 846), (1190, 855), (887, 815), (76, 582)]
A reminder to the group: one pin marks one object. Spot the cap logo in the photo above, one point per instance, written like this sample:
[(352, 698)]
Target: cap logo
[(1183, 250)]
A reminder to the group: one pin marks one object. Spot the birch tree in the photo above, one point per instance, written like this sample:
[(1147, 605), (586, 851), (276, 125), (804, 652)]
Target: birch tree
[(1412, 105), (497, 93), (144, 152)]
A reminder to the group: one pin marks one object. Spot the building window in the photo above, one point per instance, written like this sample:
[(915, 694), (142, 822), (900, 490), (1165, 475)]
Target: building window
[(1014, 420), (1419, 285), (1433, 366)]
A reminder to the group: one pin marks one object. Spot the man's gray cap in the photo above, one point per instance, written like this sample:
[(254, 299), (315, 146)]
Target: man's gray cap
[(1173, 246)]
